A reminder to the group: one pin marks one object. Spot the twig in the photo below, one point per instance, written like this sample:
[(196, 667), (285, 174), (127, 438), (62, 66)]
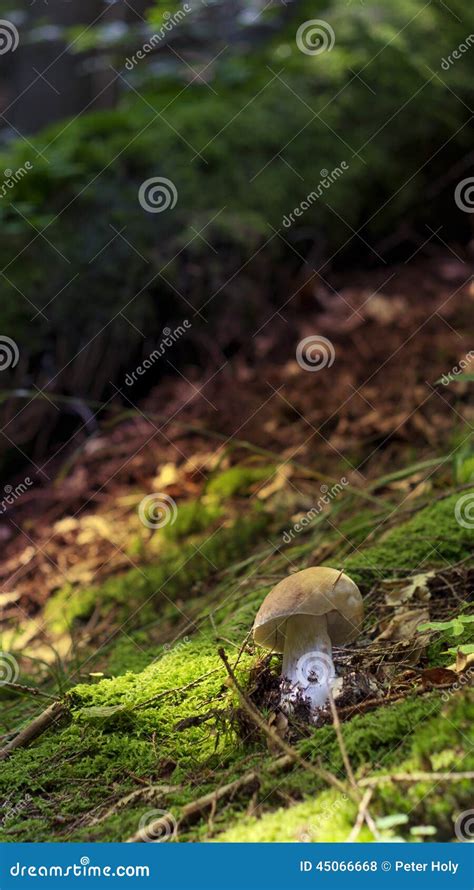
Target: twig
[(363, 804), (369, 703), (149, 794), (193, 810), (341, 743), (36, 728), (28, 690), (373, 781), (262, 724), (361, 816), (166, 692)]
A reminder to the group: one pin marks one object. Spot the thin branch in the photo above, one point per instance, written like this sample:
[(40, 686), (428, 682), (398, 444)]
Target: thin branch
[(28, 690), (373, 781), (361, 816), (36, 728), (363, 803)]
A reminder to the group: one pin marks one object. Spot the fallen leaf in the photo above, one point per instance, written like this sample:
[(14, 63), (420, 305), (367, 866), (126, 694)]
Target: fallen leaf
[(7, 598), (278, 482), (437, 676), (168, 475), (403, 626), (400, 591)]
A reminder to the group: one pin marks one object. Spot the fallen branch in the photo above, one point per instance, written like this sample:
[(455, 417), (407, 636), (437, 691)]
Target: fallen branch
[(28, 690), (36, 728), (369, 703), (149, 794), (193, 810), (249, 782), (373, 781)]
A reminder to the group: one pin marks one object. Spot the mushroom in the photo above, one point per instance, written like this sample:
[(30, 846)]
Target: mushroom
[(301, 617)]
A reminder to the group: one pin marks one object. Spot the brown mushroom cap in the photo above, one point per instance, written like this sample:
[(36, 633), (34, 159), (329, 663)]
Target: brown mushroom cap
[(314, 591)]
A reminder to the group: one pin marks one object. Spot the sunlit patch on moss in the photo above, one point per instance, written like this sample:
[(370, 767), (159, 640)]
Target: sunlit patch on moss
[(432, 537)]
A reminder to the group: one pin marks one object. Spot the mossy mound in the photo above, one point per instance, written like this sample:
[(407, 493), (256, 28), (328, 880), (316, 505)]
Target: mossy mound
[(433, 537), (176, 726)]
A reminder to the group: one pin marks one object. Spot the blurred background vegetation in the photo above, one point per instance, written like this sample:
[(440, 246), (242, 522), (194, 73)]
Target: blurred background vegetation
[(228, 108)]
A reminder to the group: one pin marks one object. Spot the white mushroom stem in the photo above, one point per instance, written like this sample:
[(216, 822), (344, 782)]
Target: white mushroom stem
[(307, 658)]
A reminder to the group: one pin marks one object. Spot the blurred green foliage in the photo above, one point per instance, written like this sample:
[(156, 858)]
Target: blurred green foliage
[(243, 151)]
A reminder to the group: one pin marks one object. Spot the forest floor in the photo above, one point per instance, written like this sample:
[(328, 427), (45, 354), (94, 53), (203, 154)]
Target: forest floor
[(162, 717)]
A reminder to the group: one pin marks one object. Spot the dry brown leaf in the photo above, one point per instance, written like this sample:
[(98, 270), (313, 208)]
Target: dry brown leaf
[(384, 310), (9, 597), (66, 525), (403, 625), (437, 676), (278, 482), (168, 475), (400, 591)]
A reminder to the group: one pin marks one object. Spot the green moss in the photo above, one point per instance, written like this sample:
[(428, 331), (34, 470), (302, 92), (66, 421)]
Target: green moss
[(193, 517), (441, 743), (328, 818), (431, 538), (238, 480)]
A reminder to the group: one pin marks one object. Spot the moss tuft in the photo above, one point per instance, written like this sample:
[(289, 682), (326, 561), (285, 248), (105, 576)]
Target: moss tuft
[(238, 480), (431, 538)]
